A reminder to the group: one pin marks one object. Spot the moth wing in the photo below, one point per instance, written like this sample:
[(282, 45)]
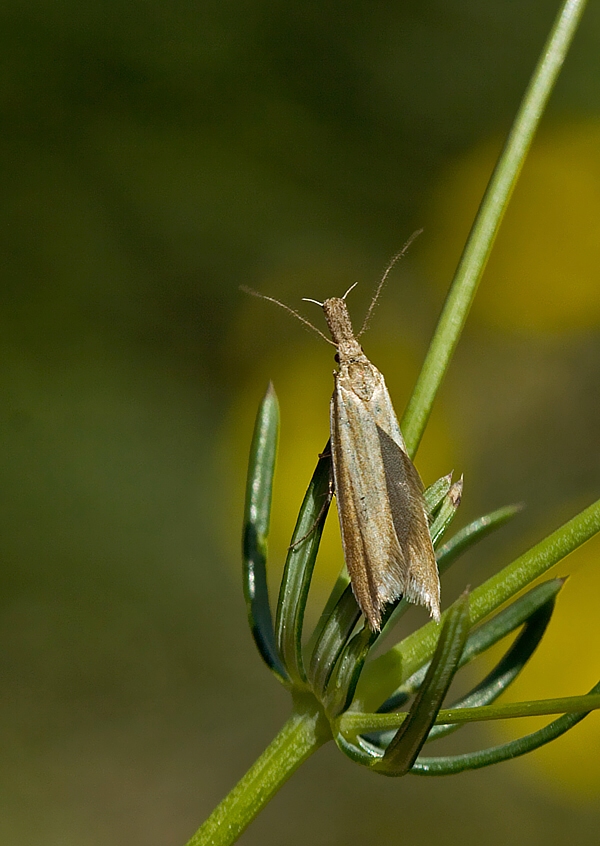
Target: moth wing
[(405, 491), (380, 406), (378, 567)]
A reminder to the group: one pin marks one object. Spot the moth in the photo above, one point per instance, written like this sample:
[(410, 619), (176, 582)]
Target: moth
[(381, 509)]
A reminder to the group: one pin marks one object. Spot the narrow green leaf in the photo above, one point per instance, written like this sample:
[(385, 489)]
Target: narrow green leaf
[(360, 752), (410, 737), (486, 224), (434, 495), (299, 566), (342, 582), (348, 668), (450, 764), (446, 513), (257, 513), (396, 612), (472, 534), (330, 644)]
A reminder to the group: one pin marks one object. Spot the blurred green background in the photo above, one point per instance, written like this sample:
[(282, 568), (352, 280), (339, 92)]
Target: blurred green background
[(157, 156)]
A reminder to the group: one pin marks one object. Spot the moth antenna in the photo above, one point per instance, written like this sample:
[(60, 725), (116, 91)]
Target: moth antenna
[(309, 300), (349, 289), (388, 270), (288, 309)]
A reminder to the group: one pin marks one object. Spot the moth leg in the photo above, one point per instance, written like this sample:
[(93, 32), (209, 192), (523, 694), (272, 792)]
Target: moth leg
[(326, 502), (327, 451)]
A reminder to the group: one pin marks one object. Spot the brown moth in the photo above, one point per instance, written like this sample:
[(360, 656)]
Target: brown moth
[(383, 519)]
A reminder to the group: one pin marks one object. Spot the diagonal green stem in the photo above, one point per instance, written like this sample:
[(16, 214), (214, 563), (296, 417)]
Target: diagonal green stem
[(303, 734), (487, 222)]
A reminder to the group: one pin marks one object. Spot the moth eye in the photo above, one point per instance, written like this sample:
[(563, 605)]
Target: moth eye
[(337, 358)]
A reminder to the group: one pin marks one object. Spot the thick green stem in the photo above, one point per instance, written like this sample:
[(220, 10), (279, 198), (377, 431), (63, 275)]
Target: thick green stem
[(302, 735)]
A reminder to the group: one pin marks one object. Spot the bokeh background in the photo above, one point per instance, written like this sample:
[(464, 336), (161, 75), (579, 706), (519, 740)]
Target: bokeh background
[(155, 157)]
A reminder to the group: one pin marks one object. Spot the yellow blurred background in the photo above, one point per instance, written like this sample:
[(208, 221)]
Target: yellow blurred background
[(155, 159)]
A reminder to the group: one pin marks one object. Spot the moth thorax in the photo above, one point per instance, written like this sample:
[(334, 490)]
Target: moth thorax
[(338, 321)]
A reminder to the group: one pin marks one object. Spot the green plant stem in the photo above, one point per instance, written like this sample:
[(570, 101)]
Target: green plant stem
[(302, 734), (491, 211), (351, 724)]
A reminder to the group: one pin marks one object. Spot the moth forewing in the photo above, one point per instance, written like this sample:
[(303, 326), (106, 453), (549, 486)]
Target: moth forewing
[(375, 560)]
